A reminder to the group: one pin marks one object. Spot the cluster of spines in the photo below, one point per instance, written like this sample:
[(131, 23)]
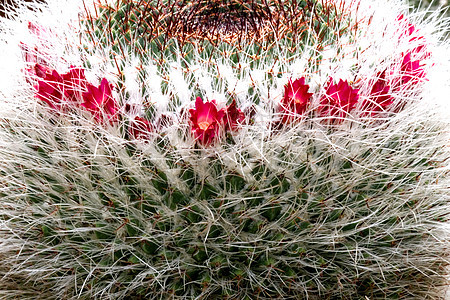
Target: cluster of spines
[(159, 26), (203, 236)]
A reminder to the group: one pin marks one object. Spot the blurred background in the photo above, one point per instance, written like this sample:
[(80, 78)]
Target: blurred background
[(435, 4)]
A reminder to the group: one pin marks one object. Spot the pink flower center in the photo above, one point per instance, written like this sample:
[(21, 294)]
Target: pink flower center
[(203, 125), (298, 99)]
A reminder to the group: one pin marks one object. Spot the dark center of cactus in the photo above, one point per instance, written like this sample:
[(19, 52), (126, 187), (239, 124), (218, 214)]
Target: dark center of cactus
[(225, 19)]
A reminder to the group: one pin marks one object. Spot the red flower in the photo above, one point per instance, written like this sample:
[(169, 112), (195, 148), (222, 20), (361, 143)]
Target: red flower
[(206, 120), (418, 39), (139, 128), (72, 87), (339, 100), (50, 89), (39, 70), (411, 70), (100, 101), (54, 89), (296, 98), (379, 98), (233, 116), (74, 83), (410, 30)]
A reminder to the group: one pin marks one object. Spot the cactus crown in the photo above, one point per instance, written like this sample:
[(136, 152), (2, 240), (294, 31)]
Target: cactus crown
[(213, 22)]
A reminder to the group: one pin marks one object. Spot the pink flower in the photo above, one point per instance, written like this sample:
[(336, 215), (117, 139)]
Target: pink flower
[(411, 33), (379, 98), (40, 70), (55, 89), (72, 87), (74, 83), (411, 71), (206, 120), (99, 101), (410, 27), (296, 98), (338, 100), (50, 89), (139, 128), (233, 116)]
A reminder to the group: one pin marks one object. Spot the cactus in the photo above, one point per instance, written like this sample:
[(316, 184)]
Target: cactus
[(165, 31), (149, 164), (137, 25)]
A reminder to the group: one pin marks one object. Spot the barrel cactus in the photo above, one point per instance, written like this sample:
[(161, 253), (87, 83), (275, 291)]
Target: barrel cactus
[(224, 150)]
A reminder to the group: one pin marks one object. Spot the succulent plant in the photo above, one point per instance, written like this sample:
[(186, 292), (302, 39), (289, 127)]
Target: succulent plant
[(197, 150)]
